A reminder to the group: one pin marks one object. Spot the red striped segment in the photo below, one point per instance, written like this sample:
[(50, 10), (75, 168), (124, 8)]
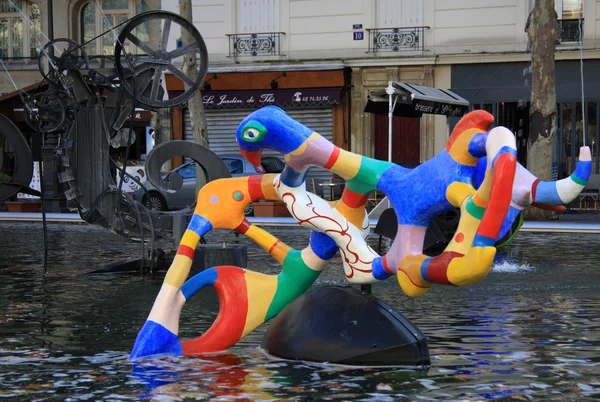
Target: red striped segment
[(229, 325), (500, 196), (186, 250), (243, 227), (354, 200), (437, 268), (332, 158), (385, 265), (273, 246), (534, 189), (255, 188)]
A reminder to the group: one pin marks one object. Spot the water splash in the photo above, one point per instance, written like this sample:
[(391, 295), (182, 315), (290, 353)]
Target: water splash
[(508, 266)]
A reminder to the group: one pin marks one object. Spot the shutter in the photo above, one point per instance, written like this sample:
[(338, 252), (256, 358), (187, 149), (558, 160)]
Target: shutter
[(257, 16), (399, 13), (223, 123)]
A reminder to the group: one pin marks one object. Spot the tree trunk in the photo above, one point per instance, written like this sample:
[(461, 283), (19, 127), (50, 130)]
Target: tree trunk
[(195, 106), (543, 31), (161, 122)]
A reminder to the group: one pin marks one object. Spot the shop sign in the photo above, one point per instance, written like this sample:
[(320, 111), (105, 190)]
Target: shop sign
[(432, 107), (279, 97)]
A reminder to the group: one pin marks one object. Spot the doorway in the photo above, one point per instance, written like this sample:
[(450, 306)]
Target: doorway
[(406, 140)]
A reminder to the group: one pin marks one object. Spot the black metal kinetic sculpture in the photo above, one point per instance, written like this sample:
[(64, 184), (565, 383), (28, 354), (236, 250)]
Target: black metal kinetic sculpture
[(88, 101)]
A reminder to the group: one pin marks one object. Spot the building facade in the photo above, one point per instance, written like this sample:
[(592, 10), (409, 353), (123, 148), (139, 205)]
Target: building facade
[(477, 48), (319, 59)]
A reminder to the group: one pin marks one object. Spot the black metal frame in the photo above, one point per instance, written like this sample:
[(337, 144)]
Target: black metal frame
[(81, 114), (398, 39), (255, 44)]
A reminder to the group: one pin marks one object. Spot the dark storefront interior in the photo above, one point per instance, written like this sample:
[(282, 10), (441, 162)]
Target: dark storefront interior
[(504, 90)]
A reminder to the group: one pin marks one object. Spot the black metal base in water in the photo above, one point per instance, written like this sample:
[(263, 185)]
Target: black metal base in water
[(133, 265), (343, 325), (206, 256)]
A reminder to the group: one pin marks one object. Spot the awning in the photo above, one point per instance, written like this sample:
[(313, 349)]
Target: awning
[(277, 97), (414, 100)]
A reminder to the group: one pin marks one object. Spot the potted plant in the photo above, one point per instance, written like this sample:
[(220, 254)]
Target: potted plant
[(24, 206)]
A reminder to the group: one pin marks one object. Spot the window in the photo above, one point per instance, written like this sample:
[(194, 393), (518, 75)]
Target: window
[(95, 22), (257, 16), (399, 26), (399, 14), (20, 30), (187, 171), (234, 165), (569, 9), (570, 13)]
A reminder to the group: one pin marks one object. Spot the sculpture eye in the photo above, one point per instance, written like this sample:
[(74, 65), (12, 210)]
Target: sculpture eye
[(253, 131)]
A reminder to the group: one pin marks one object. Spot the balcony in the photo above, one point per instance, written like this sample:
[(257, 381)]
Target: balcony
[(401, 39), (255, 44), (569, 30)]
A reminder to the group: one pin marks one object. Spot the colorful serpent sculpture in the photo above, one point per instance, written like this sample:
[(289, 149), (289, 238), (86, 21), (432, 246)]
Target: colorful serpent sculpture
[(477, 172)]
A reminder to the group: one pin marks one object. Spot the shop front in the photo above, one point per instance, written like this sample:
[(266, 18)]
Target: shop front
[(504, 90), (320, 105), (412, 138)]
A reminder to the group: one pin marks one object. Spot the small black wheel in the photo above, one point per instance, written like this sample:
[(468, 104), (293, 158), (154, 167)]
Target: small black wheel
[(155, 201), (44, 112), (59, 57), (249, 211), (141, 65)]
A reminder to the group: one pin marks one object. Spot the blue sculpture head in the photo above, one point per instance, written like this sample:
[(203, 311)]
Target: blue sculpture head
[(269, 128)]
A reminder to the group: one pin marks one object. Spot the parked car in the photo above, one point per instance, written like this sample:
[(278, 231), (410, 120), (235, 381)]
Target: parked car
[(154, 198)]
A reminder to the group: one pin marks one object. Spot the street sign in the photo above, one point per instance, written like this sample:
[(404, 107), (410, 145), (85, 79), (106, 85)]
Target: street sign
[(360, 35), (357, 26)]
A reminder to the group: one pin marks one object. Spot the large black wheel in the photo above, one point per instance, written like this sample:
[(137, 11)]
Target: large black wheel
[(141, 63), (23, 164), (155, 201)]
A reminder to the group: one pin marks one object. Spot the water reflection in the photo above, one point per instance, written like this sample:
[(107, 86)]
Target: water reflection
[(530, 330)]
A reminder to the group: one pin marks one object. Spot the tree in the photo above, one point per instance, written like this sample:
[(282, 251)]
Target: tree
[(195, 106), (161, 122), (161, 119), (543, 31)]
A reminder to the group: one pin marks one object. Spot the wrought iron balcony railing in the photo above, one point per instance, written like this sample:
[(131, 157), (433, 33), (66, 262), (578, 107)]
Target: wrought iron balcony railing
[(255, 44), (399, 39), (15, 60), (569, 30)]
